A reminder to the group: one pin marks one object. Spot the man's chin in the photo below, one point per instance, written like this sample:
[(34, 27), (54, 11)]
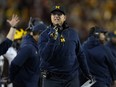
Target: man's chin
[(57, 23)]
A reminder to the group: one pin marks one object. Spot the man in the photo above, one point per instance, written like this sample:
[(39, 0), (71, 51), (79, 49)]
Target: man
[(112, 45), (61, 53), (24, 69), (99, 58), (112, 42), (10, 36)]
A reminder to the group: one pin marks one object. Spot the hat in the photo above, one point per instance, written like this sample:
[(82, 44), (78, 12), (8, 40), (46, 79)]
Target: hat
[(96, 30), (35, 25), (39, 27), (32, 23), (58, 8), (19, 34), (112, 34)]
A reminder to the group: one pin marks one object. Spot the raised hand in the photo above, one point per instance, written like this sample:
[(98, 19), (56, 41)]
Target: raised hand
[(14, 21)]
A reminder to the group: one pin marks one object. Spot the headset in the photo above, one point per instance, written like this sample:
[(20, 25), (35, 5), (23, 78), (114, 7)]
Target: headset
[(35, 23), (95, 31)]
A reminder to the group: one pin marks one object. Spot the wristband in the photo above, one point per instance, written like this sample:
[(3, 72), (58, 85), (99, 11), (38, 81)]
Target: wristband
[(14, 27)]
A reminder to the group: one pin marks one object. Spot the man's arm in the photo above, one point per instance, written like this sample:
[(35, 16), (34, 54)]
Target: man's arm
[(8, 41), (111, 65), (23, 54), (82, 60), (46, 45), (110, 60), (13, 22)]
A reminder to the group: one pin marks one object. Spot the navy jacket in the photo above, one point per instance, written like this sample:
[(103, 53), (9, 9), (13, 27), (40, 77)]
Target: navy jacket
[(4, 46), (24, 69), (100, 62), (59, 57), (112, 48)]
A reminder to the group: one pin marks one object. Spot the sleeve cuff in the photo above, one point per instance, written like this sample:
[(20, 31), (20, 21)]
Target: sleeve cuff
[(8, 41)]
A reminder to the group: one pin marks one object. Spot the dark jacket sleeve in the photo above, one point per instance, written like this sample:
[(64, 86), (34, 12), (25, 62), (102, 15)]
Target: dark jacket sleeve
[(110, 60), (82, 59), (23, 54), (46, 47), (4, 46)]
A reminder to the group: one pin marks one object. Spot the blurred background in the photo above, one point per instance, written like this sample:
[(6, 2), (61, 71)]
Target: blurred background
[(81, 14)]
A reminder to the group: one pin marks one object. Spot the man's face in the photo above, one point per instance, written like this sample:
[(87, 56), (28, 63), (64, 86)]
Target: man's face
[(113, 39), (57, 17), (102, 37), (37, 37)]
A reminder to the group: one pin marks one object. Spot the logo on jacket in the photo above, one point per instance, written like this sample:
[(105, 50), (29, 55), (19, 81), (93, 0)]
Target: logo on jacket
[(62, 39)]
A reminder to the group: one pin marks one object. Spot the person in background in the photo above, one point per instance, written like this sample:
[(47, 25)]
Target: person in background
[(112, 45), (24, 69), (10, 36), (112, 42), (61, 53), (99, 57)]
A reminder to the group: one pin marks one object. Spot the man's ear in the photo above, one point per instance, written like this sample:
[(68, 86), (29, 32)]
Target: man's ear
[(65, 17), (31, 33)]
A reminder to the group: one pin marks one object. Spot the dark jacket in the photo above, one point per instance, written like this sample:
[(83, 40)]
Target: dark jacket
[(62, 57), (24, 69), (112, 48), (100, 60), (4, 46)]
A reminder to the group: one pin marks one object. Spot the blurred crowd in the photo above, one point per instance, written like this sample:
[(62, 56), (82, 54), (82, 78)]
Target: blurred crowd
[(82, 14)]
